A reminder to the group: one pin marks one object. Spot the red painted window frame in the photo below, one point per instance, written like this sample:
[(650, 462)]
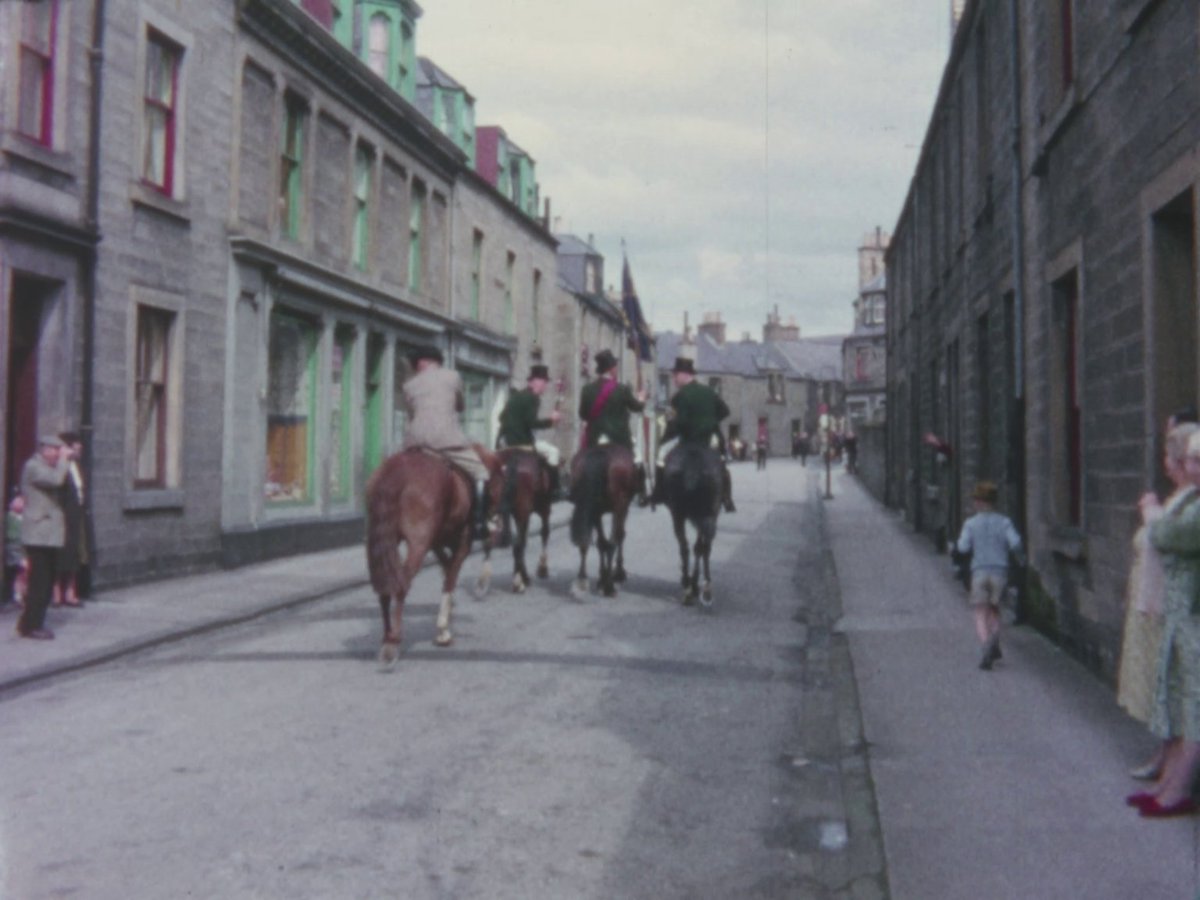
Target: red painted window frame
[(45, 135), (166, 45)]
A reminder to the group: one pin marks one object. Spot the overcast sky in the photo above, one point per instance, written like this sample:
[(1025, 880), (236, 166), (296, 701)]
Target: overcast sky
[(742, 149)]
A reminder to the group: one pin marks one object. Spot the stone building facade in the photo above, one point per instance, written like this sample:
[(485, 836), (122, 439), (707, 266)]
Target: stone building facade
[(864, 353), (219, 283), (1042, 289)]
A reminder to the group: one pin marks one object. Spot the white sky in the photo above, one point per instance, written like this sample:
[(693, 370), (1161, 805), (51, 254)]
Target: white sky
[(742, 148)]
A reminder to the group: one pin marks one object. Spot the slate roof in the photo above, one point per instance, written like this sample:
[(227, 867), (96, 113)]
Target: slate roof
[(818, 358)]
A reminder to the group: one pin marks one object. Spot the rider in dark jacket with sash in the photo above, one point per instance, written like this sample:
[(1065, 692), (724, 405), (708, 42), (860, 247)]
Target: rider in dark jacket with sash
[(698, 412), (605, 405)]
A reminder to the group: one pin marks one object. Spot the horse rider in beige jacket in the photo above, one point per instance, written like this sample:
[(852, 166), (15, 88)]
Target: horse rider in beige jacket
[(433, 399)]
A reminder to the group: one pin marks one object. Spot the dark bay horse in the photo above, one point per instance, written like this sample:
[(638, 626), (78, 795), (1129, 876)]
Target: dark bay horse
[(692, 485), (417, 498), (604, 479), (526, 493)]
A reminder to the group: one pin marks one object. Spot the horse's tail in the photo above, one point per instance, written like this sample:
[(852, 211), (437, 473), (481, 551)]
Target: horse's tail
[(587, 493), (383, 533)]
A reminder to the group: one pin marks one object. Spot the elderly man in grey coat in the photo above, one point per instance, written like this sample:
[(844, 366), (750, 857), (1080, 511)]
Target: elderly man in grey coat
[(42, 531)]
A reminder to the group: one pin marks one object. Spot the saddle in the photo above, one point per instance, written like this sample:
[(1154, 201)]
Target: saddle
[(450, 464)]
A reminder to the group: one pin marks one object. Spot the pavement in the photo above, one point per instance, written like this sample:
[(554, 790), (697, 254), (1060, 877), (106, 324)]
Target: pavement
[(989, 785), (1004, 784)]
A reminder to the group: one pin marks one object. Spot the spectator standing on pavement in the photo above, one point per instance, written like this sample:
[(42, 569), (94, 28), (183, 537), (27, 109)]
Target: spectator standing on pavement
[(1141, 641), (1175, 533), (15, 568), (41, 531), (989, 537), (73, 555)]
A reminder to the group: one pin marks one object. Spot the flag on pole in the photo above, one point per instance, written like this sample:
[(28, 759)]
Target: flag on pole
[(640, 337)]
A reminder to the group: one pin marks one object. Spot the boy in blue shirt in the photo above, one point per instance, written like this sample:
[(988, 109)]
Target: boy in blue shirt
[(989, 537)]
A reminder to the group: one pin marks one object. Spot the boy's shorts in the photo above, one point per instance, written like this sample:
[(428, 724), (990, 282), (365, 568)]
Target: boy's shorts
[(987, 587)]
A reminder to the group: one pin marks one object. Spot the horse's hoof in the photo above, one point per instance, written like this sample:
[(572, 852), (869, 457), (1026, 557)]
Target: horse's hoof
[(444, 638), (542, 571), (388, 654), (579, 588), (689, 598), (620, 576), (518, 585), (706, 597), (610, 590)]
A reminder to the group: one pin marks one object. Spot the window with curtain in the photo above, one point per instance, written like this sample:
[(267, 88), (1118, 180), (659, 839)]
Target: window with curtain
[(416, 221), (151, 396), (291, 167), (159, 104), (379, 44), (35, 110), (362, 196)]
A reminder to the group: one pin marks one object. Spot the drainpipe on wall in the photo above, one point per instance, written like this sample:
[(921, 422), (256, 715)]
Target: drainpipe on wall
[(92, 223)]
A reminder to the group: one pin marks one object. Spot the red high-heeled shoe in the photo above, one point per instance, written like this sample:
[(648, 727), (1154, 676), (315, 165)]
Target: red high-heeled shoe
[(1155, 810), (1139, 800)]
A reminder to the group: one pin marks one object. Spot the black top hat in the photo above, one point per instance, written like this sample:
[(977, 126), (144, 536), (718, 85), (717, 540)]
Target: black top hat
[(542, 372), (605, 361), (683, 364), (427, 352)]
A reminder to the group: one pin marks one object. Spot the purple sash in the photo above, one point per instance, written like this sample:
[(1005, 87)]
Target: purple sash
[(597, 407)]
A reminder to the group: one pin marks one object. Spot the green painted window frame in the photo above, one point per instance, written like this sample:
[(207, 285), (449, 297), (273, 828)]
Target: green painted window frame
[(537, 306), (476, 272), (361, 238), (291, 166), (509, 304), (416, 223), (344, 338), (373, 402)]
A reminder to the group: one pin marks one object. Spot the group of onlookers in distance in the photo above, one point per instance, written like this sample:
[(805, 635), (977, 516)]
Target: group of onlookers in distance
[(1159, 673), (47, 551)]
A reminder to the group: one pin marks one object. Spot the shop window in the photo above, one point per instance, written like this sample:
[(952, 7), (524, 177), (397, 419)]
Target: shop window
[(291, 402), (340, 406), (401, 372), (160, 102), (152, 396)]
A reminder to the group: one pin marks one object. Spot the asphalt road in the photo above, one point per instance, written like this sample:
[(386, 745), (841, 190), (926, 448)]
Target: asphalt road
[(561, 748)]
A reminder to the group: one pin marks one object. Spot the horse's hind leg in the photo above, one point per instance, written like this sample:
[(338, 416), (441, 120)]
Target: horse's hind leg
[(543, 568), (393, 635), (681, 538), (520, 575), (606, 550), (618, 537), (450, 569), (580, 588)]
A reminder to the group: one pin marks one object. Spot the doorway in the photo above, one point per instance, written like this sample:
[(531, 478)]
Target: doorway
[(26, 309)]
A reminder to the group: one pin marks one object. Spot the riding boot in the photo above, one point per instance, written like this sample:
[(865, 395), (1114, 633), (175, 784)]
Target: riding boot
[(480, 511), (659, 494), (727, 491), (556, 490)]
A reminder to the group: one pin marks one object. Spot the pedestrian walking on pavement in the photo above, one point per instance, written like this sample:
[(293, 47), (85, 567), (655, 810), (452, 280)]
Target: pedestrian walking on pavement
[(1175, 534), (42, 529), (989, 537), (1141, 640)]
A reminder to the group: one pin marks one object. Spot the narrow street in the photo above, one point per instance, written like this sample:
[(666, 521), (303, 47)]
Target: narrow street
[(623, 747)]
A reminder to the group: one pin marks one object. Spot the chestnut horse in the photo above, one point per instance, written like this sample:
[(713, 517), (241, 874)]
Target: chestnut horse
[(604, 479), (526, 492), (692, 485), (416, 497)]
